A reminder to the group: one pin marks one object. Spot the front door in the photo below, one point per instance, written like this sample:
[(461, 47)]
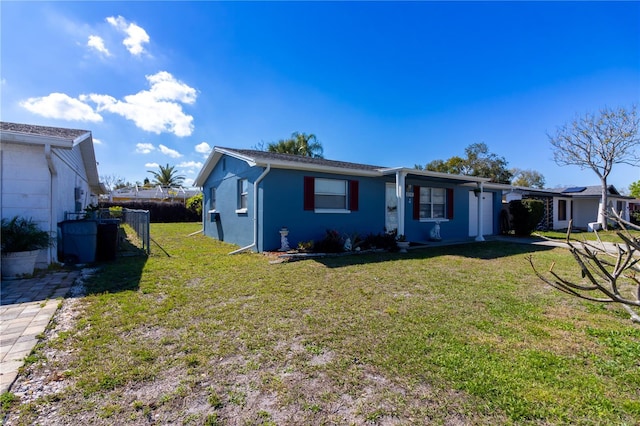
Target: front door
[(391, 208), (487, 214)]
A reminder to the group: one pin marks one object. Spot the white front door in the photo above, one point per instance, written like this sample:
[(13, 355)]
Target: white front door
[(391, 208), (487, 214)]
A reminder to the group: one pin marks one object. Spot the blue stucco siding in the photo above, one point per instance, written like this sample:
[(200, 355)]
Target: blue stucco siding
[(284, 206), (232, 226), (455, 228), (281, 203)]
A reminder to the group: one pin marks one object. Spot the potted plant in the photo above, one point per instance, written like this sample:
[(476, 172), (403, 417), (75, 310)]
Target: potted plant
[(402, 243), (22, 239)]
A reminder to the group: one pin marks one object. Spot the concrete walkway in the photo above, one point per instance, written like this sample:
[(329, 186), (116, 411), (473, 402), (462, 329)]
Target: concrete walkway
[(26, 308)]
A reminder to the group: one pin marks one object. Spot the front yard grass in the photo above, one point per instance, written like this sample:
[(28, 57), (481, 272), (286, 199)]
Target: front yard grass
[(450, 335)]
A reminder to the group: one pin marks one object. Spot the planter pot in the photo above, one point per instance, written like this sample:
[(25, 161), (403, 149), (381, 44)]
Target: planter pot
[(19, 263), (404, 245)]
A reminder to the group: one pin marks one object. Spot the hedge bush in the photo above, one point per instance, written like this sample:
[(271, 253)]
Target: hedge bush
[(159, 211), (526, 215)]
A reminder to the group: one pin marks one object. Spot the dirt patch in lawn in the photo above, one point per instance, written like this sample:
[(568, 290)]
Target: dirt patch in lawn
[(296, 386)]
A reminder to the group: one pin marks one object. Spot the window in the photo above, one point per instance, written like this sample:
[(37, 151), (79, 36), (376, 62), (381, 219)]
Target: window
[(562, 209), (432, 203), (330, 195), (212, 199), (243, 192)]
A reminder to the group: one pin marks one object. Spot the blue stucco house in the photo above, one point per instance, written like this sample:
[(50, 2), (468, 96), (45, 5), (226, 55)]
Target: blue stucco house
[(250, 195)]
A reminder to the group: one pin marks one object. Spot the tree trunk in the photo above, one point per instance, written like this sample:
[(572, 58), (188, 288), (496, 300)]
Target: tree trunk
[(602, 213)]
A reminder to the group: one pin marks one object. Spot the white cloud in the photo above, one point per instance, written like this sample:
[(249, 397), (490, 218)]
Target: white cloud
[(144, 148), (193, 164), (136, 36), (97, 43), (61, 106), (168, 151), (155, 110), (203, 148), (97, 141), (188, 182), (152, 165)]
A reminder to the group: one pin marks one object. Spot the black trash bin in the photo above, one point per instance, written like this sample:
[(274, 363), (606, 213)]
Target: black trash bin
[(107, 248)]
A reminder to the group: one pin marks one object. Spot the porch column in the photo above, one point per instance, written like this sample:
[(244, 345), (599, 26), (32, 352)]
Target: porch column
[(400, 194), (479, 237)]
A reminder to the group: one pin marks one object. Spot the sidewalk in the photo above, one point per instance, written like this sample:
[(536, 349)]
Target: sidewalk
[(26, 308)]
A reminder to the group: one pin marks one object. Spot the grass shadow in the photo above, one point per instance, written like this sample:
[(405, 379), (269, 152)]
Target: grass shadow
[(123, 273), (477, 250)]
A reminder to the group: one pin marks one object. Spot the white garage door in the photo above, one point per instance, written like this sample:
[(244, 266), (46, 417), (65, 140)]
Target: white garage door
[(487, 214)]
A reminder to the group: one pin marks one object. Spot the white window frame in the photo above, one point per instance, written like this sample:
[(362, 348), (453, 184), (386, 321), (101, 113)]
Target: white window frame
[(331, 182), (212, 199), (243, 196), (431, 217)]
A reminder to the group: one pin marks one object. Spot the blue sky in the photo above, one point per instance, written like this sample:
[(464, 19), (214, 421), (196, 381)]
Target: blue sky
[(390, 84)]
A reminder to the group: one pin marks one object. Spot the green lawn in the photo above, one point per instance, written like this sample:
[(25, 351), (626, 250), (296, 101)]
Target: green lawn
[(448, 335), (607, 236)]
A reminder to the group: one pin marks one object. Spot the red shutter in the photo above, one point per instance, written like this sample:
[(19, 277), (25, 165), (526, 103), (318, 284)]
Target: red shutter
[(449, 203), (416, 202), (353, 195), (309, 193)]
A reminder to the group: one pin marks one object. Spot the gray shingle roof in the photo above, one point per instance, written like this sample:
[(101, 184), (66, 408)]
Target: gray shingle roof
[(30, 129), (275, 156)]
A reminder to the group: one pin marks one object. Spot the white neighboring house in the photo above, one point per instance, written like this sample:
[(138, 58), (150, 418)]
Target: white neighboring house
[(580, 204), (45, 172)]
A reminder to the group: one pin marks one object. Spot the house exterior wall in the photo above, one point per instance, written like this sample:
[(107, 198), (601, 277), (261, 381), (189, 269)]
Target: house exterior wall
[(281, 203), (455, 228), (26, 183), (557, 223), (584, 212), (70, 174), (227, 224), (284, 206), (30, 190)]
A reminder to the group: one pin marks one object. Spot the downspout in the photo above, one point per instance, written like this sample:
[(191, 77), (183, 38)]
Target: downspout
[(480, 218), (255, 212), (52, 218), (400, 194)]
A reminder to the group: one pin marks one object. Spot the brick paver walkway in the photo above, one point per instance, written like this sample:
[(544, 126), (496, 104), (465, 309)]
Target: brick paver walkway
[(26, 308)]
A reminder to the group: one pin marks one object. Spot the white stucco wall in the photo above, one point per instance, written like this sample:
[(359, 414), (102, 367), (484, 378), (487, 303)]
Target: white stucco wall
[(26, 185), (29, 188), (557, 223), (584, 212)]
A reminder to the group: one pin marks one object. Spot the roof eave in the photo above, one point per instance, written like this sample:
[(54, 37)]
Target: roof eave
[(438, 175)]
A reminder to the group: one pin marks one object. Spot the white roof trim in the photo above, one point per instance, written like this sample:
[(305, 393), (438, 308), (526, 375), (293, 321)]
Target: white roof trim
[(429, 173)]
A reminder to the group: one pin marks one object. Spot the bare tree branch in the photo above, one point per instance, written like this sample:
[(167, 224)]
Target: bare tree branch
[(608, 271)]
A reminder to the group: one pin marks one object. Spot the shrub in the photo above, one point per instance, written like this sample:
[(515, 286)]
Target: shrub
[(386, 241), (195, 204), (159, 211), (331, 243), (21, 234), (526, 215)]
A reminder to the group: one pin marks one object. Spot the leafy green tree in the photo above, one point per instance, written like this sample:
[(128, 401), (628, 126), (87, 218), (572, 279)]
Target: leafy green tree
[(634, 189), (306, 145), (195, 204), (166, 176), (478, 162), (598, 142), (527, 178)]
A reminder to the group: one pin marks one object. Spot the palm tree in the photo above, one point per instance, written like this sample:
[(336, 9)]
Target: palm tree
[(167, 176), (306, 145)]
